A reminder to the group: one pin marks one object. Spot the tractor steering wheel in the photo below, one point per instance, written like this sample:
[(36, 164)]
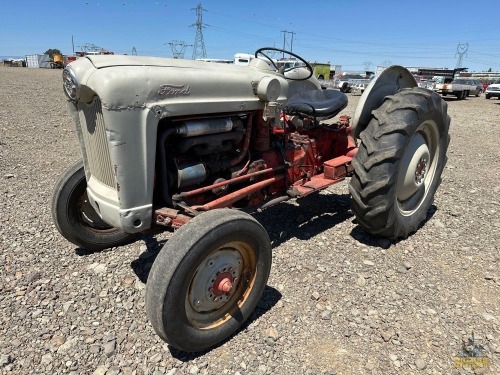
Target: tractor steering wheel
[(308, 66)]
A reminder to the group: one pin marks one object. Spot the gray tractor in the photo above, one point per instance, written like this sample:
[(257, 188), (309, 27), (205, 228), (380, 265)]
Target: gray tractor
[(195, 147)]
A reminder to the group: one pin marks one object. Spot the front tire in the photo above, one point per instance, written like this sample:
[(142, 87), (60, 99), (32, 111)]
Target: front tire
[(398, 167), (208, 279), (76, 219)]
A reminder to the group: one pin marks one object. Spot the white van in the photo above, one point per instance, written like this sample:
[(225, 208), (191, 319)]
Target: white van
[(245, 58)]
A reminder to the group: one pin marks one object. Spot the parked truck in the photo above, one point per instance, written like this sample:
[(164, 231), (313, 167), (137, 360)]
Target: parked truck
[(352, 83), (460, 90)]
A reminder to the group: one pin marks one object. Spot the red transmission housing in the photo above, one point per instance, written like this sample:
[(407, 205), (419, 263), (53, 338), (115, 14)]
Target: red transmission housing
[(306, 150)]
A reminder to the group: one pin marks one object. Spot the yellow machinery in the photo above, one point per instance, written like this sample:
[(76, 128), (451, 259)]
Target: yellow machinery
[(57, 62)]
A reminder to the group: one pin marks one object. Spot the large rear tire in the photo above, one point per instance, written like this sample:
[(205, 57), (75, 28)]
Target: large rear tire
[(398, 167), (76, 219), (208, 279)]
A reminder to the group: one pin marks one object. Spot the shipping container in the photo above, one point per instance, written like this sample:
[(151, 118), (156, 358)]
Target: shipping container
[(38, 61)]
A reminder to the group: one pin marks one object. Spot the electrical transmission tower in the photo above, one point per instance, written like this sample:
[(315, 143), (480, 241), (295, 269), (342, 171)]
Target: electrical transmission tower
[(367, 65), (461, 52), (199, 51), (178, 48), (89, 47), (134, 51)]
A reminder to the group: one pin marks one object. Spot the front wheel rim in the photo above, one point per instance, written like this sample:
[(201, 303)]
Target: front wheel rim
[(89, 218), (221, 285), (418, 168)]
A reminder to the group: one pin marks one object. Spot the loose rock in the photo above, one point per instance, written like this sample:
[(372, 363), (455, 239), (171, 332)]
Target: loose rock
[(420, 363)]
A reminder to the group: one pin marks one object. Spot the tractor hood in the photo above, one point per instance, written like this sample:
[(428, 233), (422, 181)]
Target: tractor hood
[(106, 61), (174, 87)]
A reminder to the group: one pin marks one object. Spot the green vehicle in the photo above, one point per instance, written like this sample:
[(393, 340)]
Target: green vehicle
[(321, 71)]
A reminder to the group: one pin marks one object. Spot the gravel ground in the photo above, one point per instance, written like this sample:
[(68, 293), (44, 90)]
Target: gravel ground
[(338, 301)]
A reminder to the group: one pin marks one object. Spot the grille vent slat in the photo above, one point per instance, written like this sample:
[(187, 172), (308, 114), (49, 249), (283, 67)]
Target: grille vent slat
[(96, 144)]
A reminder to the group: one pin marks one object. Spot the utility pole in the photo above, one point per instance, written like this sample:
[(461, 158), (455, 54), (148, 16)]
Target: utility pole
[(199, 50), (285, 32), (461, 52), (178, 48)]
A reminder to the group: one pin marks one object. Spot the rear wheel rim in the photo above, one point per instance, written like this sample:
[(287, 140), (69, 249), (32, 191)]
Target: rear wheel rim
[(418, 168)]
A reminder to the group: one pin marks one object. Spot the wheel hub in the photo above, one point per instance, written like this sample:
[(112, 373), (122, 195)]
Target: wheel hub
[(417, 168), (216, 280), (420, 171), (223, 284), (413, 167)]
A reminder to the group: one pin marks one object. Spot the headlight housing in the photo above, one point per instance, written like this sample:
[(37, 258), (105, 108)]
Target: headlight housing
[(70, 84)]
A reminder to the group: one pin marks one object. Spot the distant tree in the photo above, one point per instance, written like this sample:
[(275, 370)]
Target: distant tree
[(51, 52)]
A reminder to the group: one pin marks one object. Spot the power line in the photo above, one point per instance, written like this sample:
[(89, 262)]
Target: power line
[(432, 36), (495, 64), (236, 32), (367, 50)]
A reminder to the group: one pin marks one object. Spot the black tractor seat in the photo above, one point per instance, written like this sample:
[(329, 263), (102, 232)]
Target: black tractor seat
[(322, 104)]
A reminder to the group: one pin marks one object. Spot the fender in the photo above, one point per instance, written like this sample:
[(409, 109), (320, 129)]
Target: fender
[(389, 82)]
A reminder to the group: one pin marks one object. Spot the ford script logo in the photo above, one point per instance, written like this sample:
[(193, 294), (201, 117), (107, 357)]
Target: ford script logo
[(174, 90)]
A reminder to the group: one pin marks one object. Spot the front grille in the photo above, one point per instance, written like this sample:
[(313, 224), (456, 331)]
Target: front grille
[(96, 144)]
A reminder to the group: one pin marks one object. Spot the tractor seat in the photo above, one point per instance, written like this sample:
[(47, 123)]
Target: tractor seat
[(322, 104)]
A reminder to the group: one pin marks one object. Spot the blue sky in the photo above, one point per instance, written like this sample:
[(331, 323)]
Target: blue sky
[(352, 33)]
